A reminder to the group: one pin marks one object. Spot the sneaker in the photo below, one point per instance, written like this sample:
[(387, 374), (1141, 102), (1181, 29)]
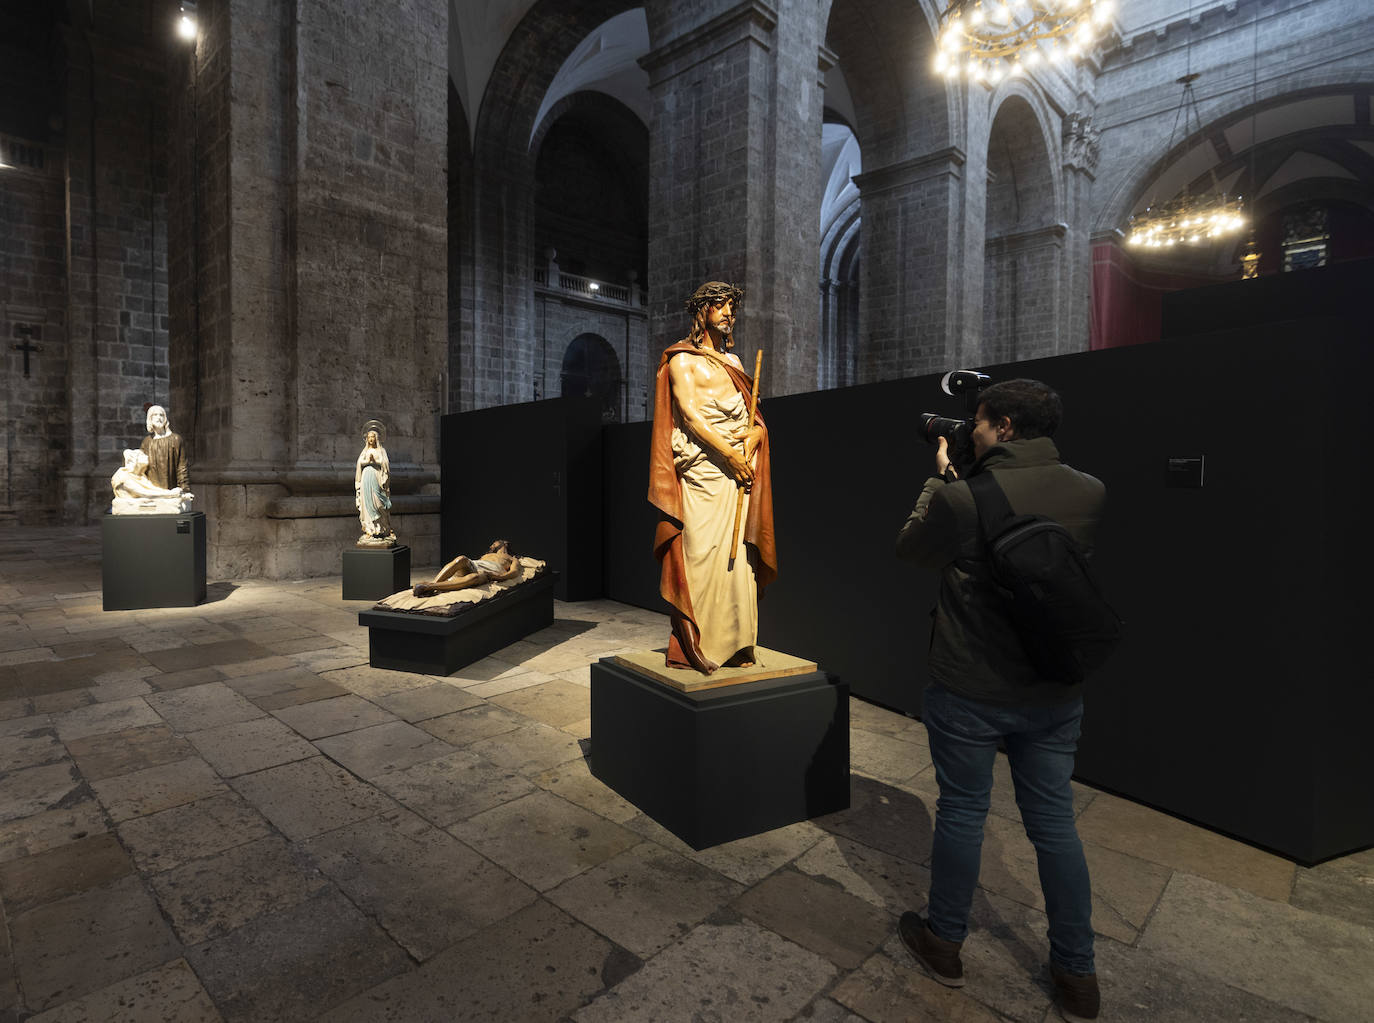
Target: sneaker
[(1079, 999), (938, 956)]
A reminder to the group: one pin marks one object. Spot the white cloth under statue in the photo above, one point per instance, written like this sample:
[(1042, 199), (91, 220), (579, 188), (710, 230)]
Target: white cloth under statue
[(724, 596), (135, 494)]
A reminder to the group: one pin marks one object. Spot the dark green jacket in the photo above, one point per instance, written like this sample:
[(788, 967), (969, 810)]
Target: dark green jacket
[(973, 649)]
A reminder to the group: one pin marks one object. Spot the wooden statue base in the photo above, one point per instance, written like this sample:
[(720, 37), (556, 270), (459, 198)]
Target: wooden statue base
[(769, 664)]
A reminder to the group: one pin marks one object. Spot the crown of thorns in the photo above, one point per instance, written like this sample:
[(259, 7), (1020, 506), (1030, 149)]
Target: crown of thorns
[(712, 292)]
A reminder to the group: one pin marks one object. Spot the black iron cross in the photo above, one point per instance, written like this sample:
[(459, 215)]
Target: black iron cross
[(26, 332)]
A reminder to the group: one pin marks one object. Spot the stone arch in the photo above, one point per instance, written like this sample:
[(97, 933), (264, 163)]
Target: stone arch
[(1023, 247), (591, 182), (1218, 115), (840, 224), (591, 369), (496, 251), (907, 122)]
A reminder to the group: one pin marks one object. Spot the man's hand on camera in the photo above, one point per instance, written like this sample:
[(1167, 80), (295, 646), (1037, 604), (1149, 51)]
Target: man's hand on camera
[(942, 464)]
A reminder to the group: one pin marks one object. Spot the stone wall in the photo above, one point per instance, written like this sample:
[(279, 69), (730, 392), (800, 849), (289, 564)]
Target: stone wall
[(85, 229)]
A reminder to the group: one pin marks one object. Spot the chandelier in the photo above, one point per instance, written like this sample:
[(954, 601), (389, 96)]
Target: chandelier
[(1187, 219), (987, 40)]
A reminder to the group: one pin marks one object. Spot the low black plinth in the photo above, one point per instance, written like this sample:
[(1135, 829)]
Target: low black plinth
[(720, 764), (371, 573), (152, 561), (440, 646)]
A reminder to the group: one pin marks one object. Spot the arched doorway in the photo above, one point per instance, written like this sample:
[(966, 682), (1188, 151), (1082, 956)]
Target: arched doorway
[(591, 370)]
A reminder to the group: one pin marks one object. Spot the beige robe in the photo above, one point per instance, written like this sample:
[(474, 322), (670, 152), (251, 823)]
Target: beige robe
[(724, 596)]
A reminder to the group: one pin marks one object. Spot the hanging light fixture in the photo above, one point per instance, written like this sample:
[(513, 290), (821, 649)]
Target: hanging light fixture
[(186, 20), (1187, 219), (987, 40)]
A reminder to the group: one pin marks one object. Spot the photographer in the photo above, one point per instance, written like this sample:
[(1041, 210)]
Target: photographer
[(986, 690)]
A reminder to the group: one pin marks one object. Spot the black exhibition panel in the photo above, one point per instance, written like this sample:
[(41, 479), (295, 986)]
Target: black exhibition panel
[(1237, 697), (630, 571), (720, 764), (530, 474), (371, 573), (152, 561), (1339, 291), (440, 645)]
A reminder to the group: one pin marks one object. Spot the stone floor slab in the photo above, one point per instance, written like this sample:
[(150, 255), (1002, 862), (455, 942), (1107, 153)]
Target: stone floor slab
[(819, 916), (469, 726), (98, 718), (203, 655), (738, 972), (168, 839), (542, 839), (170, 680), (133, 749), (244, 746), (645, 898), (157, 788), (320, 718), (535, 966), (428, 702), (885, 991), (169, 992), (47, 829), (530, 749), (373, 683), (308, 797), (424, 887), (69, 948), (574, 782), (1306, 961), (454, 787), (375, 750), (1116, 823), (336, 952), (746, 860), (881, 880), (64, 870), (35, 789), (210, 897), (31, 747), (555, 702), (204, 706)]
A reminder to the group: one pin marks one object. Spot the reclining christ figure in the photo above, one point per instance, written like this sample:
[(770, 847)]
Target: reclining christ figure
[(497, 565)]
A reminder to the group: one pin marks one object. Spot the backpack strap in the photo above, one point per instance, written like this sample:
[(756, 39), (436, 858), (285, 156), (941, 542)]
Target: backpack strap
[(991, 501)]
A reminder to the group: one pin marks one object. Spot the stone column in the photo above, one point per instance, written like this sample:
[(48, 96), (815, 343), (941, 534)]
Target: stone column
[(309, 277), (734, 193), (912, 290), (1080, 166)]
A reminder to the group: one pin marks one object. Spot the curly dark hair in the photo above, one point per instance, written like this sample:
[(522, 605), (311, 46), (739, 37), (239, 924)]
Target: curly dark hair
[(1033, 408), (710, 293)]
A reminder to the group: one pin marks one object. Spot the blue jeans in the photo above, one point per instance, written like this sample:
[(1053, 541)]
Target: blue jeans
[(1041, 742)]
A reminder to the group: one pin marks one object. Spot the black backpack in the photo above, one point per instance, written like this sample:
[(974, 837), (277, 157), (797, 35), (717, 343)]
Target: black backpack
[(1051, 594)]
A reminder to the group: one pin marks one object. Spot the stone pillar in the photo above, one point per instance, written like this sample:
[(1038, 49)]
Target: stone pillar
[(116, 230), (912, 287), (734, 193), (309, 281), (1080, 140)]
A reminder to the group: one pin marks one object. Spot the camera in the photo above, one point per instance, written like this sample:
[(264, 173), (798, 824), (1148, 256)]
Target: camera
[(959, 432)]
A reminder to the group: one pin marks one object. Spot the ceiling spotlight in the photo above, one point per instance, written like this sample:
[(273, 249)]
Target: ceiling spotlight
[(186, 21)]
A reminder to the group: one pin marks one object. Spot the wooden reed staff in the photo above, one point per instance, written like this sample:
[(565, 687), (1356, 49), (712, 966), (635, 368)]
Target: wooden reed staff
[(753, 406)]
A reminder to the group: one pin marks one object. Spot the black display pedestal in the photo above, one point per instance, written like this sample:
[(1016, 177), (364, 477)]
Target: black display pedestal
[(721, 764), (440, 646), (371, 573), (152, 561)]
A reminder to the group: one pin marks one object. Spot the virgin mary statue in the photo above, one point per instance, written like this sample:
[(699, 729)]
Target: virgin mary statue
[(372, 489)]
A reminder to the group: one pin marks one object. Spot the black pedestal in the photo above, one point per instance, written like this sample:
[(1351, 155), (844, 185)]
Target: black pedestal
[(440, 646), (376, 572), (721, 764), (152, 561)]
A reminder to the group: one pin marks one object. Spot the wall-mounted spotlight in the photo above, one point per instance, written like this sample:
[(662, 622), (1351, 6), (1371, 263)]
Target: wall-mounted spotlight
[(186, 21)]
